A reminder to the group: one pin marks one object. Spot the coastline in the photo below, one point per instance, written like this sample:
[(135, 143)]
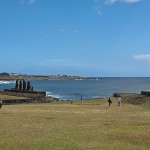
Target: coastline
[(43, 77), (88, 89), (129, 98)]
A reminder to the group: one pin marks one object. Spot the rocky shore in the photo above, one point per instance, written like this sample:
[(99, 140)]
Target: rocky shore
[(133, 98), (24, 97)]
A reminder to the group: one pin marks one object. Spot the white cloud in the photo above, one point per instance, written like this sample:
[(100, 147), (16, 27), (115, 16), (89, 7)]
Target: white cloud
[(142, 57), (131, 1), (110, 1), (125, 1), (29, 2), (99, 12)]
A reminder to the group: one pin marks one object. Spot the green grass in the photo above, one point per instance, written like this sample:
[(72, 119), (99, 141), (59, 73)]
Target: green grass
[(65, 126)]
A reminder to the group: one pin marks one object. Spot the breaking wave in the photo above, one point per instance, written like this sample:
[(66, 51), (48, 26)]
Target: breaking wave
[(7, 82), (48, 94)]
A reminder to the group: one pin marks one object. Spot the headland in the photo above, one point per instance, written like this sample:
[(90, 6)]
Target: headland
[(16, 76)]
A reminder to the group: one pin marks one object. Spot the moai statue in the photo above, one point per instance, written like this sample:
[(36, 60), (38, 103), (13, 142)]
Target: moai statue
[(16, 86), (20, 85), (24, 85), (28, 86)]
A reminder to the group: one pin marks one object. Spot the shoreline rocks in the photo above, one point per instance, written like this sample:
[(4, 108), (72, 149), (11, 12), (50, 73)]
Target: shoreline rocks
[(25, 97), (133, 98)]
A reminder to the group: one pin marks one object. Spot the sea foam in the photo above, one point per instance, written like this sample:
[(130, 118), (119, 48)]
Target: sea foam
[(7, 82)]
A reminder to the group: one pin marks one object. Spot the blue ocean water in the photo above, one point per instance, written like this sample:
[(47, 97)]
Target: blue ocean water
[(73, 89)]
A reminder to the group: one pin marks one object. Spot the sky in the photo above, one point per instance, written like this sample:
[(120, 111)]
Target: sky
[(108, 38)]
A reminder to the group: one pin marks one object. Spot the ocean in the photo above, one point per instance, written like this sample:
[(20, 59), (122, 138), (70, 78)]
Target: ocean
[(74, 89)]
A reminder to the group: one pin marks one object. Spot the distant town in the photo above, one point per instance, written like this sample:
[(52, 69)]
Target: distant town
[(15, 76)]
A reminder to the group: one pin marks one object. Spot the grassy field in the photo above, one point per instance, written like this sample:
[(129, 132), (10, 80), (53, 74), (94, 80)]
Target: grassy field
[(64, 126)]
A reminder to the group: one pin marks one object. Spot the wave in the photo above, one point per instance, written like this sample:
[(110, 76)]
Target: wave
[(7, 82), (48, 94)]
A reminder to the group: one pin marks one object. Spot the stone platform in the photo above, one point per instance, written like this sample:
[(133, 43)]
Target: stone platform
[(24, 93)]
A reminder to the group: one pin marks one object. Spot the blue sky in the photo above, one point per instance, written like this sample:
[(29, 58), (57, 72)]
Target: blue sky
[(108, 38)]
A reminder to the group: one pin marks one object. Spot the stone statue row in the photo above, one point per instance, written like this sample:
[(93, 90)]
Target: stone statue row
[(22, 85)]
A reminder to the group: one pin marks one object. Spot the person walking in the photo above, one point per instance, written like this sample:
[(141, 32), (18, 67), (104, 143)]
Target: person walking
[(81, 100), (0, 103), (109, 101), (119, 101)]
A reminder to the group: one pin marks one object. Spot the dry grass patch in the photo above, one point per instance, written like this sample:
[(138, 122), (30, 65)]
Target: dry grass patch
[(8, 97), (65, 126)]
